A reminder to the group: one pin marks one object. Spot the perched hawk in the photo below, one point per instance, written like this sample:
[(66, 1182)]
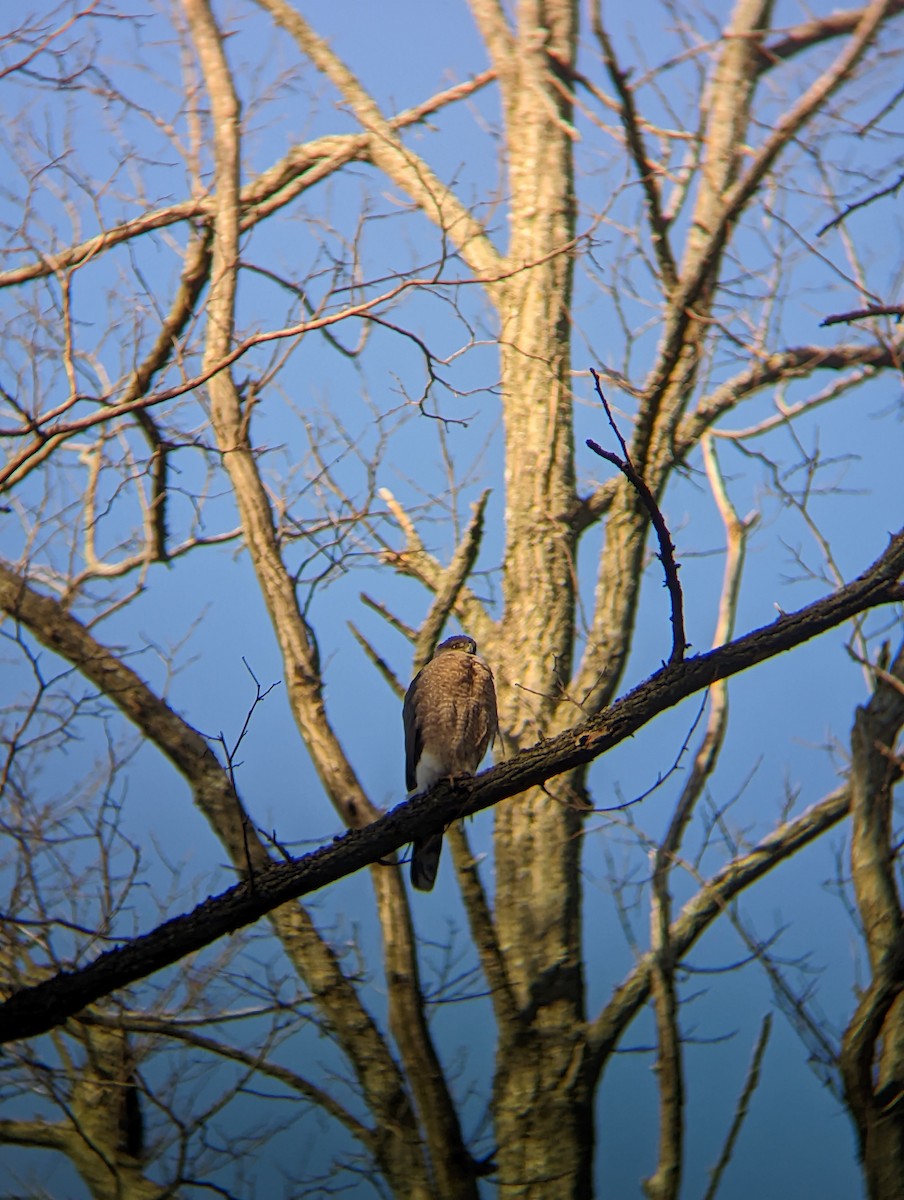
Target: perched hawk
[(450, 720)]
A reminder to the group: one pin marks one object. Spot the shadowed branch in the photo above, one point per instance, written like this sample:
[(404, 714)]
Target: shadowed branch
[(666, 549), (36, 1009)]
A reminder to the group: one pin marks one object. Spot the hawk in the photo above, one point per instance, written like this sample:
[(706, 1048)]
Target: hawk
[(450, 720)]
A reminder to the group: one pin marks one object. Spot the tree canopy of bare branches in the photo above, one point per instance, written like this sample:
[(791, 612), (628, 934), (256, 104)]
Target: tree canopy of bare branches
[(579, 335)]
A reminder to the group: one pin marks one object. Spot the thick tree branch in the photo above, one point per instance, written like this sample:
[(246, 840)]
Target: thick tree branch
[(39, 1008), (490, 18), (55, 627), (872, 1049), (482, 927), (387, 152), (802, 37), (45, 1134), (861, 314), (795, 362), (450, 1159)]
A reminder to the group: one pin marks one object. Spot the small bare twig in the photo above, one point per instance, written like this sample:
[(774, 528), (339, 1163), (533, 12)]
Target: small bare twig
[(231, 764), (662, 776), (891, 190), (453, 580), (859, 314), (750, 1086), (406, 630), (666, 550), (377, 661), (644, 165)]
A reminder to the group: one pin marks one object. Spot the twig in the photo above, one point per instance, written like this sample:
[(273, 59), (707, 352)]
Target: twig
[(663, 776), (891, 190), (859, 314), (645, 167), (407, 631), (377, 661), (750, 1086), (453, 580), (261, 695), (481, 924), (666, 550)]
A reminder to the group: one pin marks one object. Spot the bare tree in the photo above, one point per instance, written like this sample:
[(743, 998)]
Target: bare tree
[(175, 300)]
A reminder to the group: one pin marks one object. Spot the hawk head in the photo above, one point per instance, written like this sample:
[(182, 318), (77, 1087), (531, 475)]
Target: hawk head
[(458, 641)]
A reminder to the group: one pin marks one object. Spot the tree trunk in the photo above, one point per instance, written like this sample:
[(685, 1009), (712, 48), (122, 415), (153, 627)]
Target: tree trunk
[(544, 1132), (872, 1052)]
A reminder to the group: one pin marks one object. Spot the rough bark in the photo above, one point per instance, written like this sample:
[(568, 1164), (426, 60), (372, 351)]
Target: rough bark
[(543, 1149), (872, 1055)]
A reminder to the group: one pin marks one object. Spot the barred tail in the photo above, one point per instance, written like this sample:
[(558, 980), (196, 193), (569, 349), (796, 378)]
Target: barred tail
[(425, 854)]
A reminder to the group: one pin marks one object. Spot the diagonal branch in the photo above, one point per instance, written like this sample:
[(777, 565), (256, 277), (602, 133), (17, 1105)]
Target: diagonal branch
[(741, 1109), (194, 277), (387, 151), (812, 101), (296, 639), (489, 17), (802, 37), (50, 429), (36, 1009), (304, 165), (727, 201), (57, 629), (644, 166), (417, 562), (452, 581), (137, 1022), (482, 928), (861, 314), (701, 910), (790, 363)]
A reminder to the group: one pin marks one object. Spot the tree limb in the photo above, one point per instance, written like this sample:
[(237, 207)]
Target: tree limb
[(36, 1009), (402, 165), (872, 1048), (644, 166)]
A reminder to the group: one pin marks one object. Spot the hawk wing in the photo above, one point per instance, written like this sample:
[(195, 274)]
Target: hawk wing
[(414, 741)]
